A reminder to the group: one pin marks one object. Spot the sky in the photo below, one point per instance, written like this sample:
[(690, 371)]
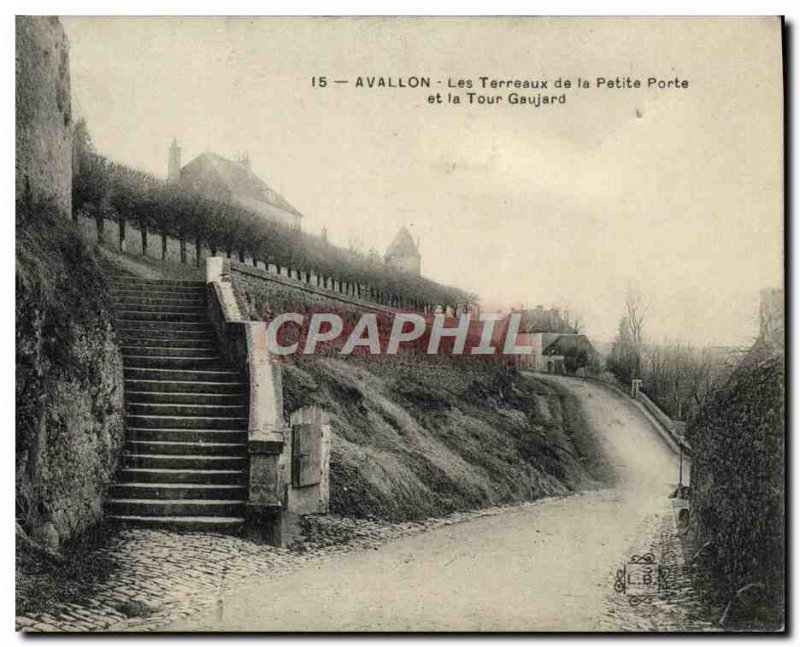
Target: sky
[(674, 193)]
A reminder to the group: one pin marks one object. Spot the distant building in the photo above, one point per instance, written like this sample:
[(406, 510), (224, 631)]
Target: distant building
[(232, 181), (403, 253), (568, 353), (539, 328)]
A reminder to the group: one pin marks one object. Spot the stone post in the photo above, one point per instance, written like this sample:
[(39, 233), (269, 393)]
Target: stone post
[(267, 441)]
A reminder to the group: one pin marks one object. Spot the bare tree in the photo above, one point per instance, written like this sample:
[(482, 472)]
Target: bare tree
[(635, 314), (573, 321)]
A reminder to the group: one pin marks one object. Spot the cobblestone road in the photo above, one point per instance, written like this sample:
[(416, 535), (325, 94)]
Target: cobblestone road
[(676, 605), (161, 577)]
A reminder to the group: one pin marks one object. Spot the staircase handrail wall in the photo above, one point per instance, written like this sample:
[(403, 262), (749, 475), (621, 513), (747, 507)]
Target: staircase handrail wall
[(244, 344)]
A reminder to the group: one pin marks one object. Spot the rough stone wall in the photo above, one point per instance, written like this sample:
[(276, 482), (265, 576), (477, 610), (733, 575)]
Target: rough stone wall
[(69, 395), (43, 112), (69, 415)]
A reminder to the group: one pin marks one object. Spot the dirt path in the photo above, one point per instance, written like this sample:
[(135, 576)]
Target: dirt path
[(543, 567)]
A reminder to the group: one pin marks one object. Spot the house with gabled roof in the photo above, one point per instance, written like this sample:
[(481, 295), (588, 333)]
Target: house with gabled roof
[(540, 328), (232, 181)]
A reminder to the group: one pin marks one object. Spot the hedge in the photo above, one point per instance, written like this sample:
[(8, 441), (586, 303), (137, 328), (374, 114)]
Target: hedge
[(106, 189)]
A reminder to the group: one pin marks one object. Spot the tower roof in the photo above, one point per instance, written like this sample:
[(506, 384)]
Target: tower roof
[(403, 244)]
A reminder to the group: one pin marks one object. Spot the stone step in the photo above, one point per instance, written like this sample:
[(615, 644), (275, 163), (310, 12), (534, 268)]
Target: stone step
[(140, 382), (134, 336), (179, 434), (119, 294), (185, 448), (181, 375), (165, 283), (176, 491), (193, 341), (136, 327), (174, 361), (210, 399), (196, 316), (185, 459), (181, 462), (191, 308), (222, 525), (176, 507), (202, 351), (159, 421), (137, 291), (148, 298), (136, 407), (141, 475)]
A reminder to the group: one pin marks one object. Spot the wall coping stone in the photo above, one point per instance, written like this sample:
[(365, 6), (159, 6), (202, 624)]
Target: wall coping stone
[(312, 289)]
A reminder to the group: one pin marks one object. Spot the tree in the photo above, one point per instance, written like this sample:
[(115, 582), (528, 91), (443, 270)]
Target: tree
[(622, 360), (90, 176), (574, 322), (635, 313), (81, 150)]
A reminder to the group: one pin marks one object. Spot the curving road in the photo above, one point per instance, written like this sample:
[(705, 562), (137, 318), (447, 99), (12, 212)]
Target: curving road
[(546, 567)]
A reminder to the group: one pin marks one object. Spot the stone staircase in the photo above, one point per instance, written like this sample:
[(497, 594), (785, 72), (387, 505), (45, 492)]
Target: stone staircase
[(185, 463)]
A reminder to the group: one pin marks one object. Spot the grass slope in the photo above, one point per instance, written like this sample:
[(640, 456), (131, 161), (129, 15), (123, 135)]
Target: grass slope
[(430, 437)]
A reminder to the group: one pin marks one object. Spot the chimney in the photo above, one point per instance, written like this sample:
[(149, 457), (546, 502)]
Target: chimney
[(174, 169)]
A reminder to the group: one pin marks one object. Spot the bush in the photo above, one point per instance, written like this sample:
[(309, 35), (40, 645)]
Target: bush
[(738, 479)]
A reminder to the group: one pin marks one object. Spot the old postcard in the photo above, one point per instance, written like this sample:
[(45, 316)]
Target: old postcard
[(400, 324)]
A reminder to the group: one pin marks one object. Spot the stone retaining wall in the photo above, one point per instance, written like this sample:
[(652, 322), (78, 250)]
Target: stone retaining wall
[(69, 383)]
